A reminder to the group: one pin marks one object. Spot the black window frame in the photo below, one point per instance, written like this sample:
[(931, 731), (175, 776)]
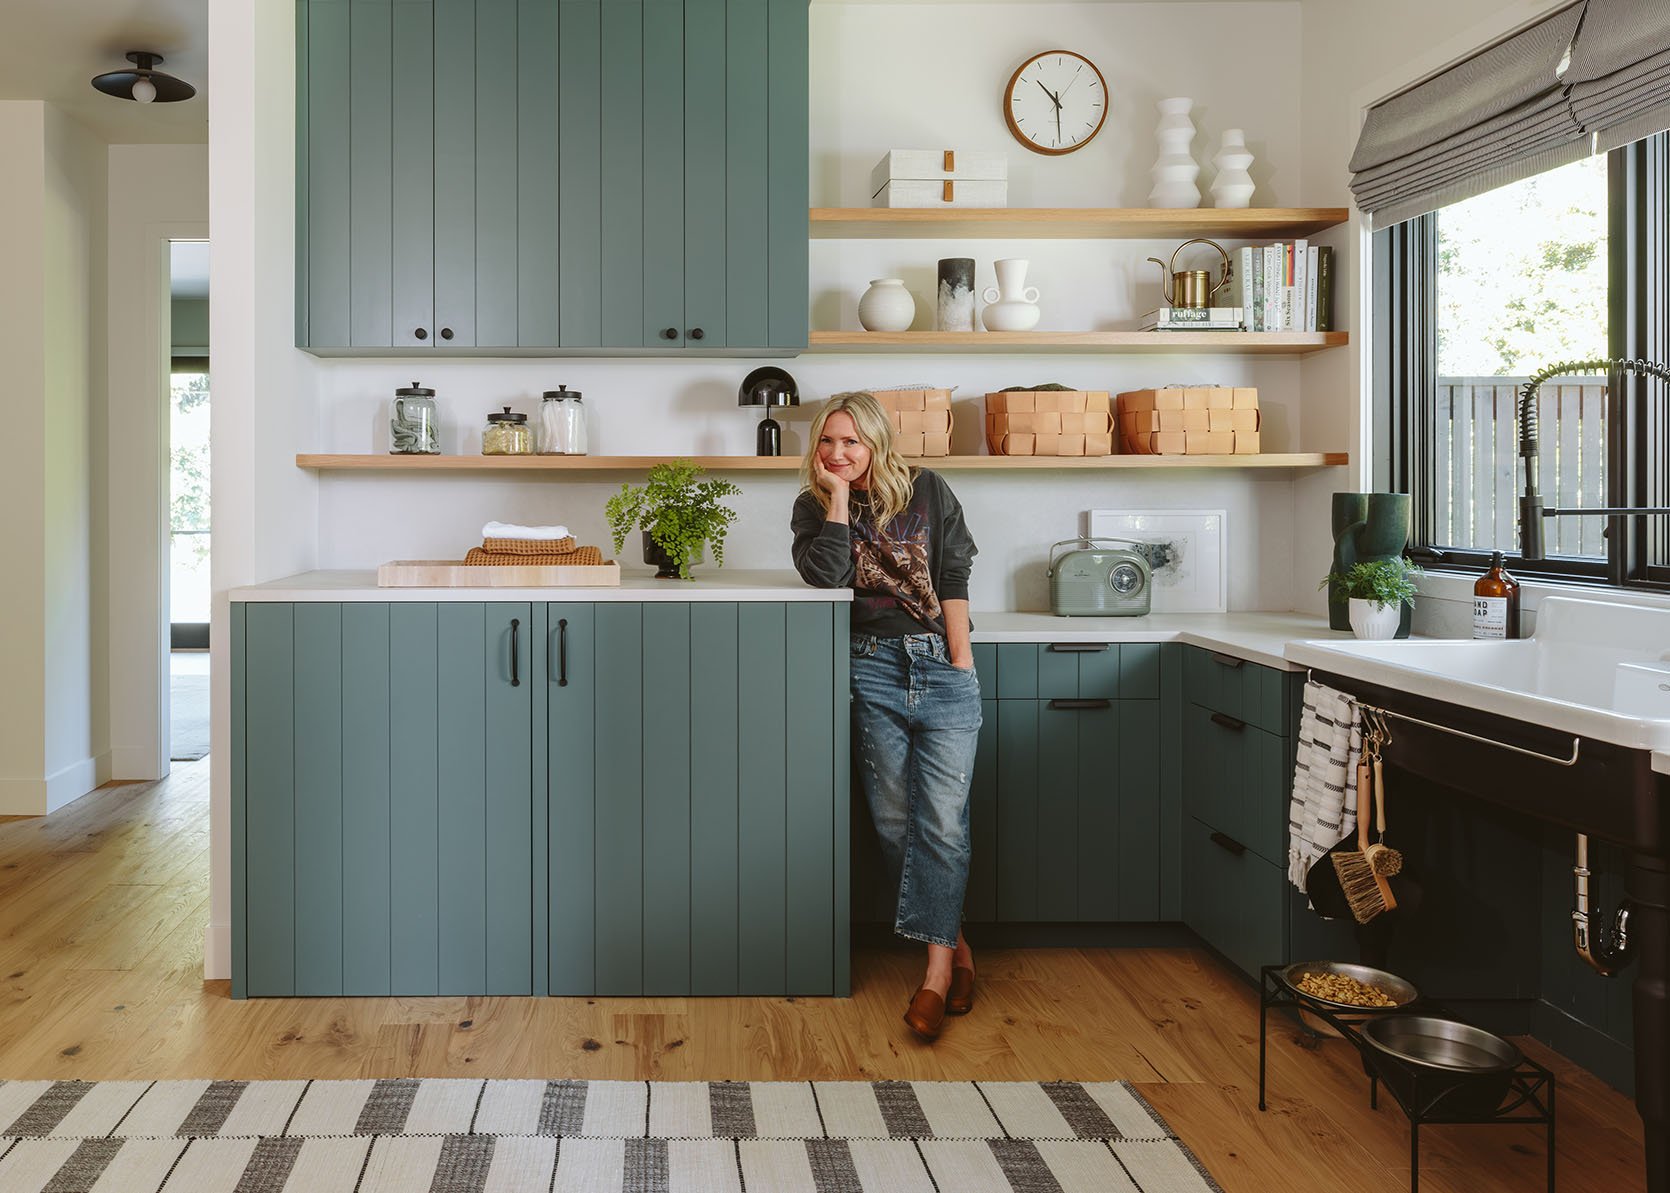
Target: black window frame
[(1405, 364)]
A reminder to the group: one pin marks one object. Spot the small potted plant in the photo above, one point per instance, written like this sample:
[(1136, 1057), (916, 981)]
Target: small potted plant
[(677, 514), (1376, 591)]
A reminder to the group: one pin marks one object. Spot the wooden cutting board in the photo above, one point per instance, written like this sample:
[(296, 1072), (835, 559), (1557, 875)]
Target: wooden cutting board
[(449, 573)]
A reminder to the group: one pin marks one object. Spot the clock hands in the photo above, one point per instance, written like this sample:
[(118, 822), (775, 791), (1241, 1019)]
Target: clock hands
[(1054, 98)]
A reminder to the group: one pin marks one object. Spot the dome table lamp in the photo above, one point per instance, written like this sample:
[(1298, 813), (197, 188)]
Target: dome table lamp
[(768, 386)]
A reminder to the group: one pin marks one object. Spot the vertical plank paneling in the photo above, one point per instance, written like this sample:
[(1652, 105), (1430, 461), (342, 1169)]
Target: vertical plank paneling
[(980, 904), (668, 769), (622, 173), (841, 714), (619, 805), (329, 173), (717, 731), (318, 754), (1139, 861), (985, 666), (705, 172), (366, 827), (371, 191), (462, 868), (1101, 791), (1099, 673), (1017, 670), (1442, 464), (1171, 781), (1139, 671), (302, 188), (663, 185), (508, 828), (1505, 501), (270, 851), (1057, 798), (412, 163), (810, 796), (571, 776), (580, 159), (787, 145), (762, 766), (537, 193), (414, 799), (1058, 672), (454, 181), (1017, 809), (1591, 491), (496, 164), (540, 755), (747, 180), (240, 804)]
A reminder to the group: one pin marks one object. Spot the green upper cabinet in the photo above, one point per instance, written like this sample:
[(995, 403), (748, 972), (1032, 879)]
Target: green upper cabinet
[(575, 175)]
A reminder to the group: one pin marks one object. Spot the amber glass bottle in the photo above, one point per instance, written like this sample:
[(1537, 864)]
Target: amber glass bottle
[(1496, 602)]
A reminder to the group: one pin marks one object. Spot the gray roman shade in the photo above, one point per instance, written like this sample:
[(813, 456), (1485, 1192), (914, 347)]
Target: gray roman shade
[(1619, 77), (1500, 116)]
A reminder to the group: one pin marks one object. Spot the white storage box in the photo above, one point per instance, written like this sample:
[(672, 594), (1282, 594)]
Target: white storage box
[(940, 178)]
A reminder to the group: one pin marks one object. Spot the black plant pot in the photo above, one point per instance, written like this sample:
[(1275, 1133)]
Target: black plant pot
[(666, 568)]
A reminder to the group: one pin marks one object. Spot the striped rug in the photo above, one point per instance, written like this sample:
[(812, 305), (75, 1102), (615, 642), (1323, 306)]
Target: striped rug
[(458, 1136)]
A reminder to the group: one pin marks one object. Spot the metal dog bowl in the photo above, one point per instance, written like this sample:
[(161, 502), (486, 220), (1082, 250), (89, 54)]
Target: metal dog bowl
[(1453, 1067), (1398, 990)]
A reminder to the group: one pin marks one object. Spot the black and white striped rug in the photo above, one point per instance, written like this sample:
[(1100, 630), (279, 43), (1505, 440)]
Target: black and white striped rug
[(459, 1136)]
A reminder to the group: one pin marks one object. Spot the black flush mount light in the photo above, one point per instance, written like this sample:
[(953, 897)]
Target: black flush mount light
[(144, 83)]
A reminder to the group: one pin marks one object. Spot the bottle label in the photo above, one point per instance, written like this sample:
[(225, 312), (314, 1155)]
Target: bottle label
[(1490, 617)]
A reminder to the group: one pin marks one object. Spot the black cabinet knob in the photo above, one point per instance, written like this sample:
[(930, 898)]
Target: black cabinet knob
[(669, 333), (421, 333), (446, 333), (695, 333)]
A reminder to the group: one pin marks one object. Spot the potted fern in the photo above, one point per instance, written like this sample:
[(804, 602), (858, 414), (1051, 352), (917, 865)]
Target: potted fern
[(677, 513), (1376, 590)]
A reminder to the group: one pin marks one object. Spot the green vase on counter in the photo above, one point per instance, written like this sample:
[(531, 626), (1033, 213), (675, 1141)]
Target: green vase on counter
[(1366, 526)]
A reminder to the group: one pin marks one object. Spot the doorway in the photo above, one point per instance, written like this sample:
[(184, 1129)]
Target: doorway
[(189, 589)]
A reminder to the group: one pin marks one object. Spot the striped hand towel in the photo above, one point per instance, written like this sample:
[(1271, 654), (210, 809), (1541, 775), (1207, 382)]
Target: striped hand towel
[(1321, 815)]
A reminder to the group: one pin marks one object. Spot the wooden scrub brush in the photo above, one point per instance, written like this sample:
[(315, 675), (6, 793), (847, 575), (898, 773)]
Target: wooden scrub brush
[(1366, 892), (1382, 858)]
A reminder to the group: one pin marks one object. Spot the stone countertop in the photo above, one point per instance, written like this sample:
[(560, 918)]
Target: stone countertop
[(1256, 637), (636, 584)]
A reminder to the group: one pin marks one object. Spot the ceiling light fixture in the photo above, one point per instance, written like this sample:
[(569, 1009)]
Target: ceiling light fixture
[(144, 83)]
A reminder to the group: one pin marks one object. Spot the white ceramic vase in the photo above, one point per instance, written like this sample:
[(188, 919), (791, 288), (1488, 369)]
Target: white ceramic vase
[(1175, 169), (887, 306), (1374, 622), (1232, 186), (1011, 305)]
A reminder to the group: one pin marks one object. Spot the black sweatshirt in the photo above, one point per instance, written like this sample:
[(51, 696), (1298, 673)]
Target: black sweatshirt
[(898, 578)]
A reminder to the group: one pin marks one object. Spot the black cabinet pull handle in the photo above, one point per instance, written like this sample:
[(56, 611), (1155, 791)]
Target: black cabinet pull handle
[(446, 333), (422, 333), (1225, 660), (1228, 722), (1229, 843), (695, 333), (562, 652), (515, 627), (1081, 704), (669, 333), (1078, 647)]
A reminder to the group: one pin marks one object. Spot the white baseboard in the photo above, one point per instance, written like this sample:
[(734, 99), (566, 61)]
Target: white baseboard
[(37, 797), (217, 952), (137, 764)]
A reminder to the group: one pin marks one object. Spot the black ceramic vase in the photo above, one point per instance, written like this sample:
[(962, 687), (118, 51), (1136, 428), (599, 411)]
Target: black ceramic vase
[(666, 569)]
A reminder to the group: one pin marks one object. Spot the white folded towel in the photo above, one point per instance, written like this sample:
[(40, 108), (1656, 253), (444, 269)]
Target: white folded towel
[(509, 530), (1323, 811)]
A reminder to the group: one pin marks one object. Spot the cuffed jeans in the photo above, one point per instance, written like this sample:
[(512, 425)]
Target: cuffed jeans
[(916, 720)]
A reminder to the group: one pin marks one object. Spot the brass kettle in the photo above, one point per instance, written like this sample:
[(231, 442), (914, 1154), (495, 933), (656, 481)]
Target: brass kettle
[(1192, 288)]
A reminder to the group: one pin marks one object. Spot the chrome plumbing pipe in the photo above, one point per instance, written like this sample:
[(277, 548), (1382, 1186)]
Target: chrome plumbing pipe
[(1614, 949)]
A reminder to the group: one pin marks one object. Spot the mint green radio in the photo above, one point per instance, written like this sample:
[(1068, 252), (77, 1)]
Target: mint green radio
[(1098, 581)]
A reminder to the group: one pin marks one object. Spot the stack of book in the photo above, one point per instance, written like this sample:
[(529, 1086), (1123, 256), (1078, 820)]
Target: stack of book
[(1194, 319), (1285, 287)]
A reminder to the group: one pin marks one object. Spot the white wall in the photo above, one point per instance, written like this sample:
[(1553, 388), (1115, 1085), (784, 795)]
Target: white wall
[(157, 193)]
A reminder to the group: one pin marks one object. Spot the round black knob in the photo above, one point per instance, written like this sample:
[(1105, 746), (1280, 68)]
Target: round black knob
[(695, 333), (669, 333), (421, 334), (446, 333)]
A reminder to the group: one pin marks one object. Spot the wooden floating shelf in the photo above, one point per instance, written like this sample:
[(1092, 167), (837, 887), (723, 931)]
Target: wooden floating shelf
[(1068, 223), (572, 464), (1256, 343)]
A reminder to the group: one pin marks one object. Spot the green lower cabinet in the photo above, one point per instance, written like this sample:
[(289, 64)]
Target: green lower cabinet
[(1234, 899), (1237, 777)]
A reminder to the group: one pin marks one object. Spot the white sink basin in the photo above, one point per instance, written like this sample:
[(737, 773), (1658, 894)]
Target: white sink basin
[(1592, 668)]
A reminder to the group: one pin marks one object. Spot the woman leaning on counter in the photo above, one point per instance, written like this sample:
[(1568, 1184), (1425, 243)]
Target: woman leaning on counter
[(895, 534)]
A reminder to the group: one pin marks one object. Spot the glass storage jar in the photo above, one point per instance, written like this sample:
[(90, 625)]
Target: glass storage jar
[(551, 435), (506, 435), (574, 412), (414, 429)]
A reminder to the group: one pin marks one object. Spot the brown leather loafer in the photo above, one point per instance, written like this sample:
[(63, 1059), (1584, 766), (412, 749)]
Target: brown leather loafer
[(959, 1000), (925, 1014)]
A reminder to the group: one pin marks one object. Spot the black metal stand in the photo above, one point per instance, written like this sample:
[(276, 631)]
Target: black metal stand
[(1529, 1098)]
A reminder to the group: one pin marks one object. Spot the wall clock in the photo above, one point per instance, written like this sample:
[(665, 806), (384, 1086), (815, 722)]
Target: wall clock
[(1056, 102)]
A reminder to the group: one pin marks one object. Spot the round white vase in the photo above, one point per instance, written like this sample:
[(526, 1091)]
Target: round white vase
[(1232, 186), (1011, 305), (887, 306), (1175, 170), (1374, 622)]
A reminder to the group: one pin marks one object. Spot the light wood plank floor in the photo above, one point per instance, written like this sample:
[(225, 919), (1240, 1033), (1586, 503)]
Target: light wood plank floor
[(102, 908)]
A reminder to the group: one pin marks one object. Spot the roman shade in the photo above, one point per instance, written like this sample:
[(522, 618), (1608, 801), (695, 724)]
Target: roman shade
[(1619, 77), (1500, 116)]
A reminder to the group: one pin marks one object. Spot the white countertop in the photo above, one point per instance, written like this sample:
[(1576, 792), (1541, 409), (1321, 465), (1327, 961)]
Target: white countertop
[(636, 584), (1256, 637)]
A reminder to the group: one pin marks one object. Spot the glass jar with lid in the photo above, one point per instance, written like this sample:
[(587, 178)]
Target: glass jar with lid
[(414, 429), (506, 434), (551, 435), (575, 415)]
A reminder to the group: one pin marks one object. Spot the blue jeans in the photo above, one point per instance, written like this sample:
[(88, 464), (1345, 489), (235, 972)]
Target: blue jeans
[(916, 720)]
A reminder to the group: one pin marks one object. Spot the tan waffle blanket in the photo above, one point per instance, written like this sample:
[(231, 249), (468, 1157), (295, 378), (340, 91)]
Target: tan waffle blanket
[(578, 557), (528, 546)]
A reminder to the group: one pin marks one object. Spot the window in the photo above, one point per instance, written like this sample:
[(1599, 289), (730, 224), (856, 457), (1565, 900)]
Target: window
[(1473, 299)]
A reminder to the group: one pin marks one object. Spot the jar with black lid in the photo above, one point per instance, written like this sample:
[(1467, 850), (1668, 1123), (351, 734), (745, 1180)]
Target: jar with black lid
[(507, 434), (413, 429)]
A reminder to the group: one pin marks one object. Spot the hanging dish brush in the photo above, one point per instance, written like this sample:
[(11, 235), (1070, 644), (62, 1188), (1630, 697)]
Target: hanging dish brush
[(1382, 858), (1366, 892)]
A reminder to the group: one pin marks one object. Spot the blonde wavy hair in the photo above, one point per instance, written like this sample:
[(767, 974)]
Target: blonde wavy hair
[(890, 478)]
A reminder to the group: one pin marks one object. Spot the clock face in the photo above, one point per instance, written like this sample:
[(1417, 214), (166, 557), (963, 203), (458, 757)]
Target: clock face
[(1056, 102)]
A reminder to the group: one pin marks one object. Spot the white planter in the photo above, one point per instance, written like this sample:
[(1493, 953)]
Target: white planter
[(1372, 622), (1232, 186), (1011, 305), (1175, 170), (887, 306)]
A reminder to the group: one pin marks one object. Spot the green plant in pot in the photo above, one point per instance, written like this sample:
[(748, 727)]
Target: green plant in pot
[(677, 513), (1376, 591)]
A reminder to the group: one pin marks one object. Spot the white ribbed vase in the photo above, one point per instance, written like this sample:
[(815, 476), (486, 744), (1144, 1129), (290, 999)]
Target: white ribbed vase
[(1232, 186), (1175, 170)]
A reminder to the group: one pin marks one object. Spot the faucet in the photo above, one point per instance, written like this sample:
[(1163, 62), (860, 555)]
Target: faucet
[(1531, 511)]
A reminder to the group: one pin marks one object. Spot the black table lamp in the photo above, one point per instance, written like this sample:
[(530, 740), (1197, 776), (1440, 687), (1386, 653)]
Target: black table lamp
[(768, 386)]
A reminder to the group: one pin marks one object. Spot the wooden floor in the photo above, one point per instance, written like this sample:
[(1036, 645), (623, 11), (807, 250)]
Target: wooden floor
[(103, 905)]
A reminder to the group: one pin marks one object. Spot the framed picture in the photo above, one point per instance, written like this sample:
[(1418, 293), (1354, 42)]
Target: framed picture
[(1193, 578)]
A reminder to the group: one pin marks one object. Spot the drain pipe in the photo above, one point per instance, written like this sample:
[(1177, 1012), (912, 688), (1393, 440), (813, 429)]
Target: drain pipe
[(1614, 949)]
